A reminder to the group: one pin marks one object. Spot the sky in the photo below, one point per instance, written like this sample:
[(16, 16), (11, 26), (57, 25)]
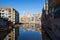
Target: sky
[(24, 6)]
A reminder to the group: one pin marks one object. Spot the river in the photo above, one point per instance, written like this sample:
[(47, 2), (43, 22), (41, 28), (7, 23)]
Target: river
[(29, 35)]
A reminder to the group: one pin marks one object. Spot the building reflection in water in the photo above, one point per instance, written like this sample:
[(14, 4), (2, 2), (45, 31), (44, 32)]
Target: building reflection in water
[(30, 32)]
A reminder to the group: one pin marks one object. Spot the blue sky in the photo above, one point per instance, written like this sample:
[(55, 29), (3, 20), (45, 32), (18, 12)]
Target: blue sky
[(29, 6)]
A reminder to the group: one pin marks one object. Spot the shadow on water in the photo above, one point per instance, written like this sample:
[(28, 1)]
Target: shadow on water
[(29, 35)]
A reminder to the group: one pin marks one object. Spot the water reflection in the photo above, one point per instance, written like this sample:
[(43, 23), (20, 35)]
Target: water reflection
[(29, 35)]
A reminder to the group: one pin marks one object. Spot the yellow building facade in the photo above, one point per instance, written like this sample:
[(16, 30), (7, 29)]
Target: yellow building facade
[(11, 15)]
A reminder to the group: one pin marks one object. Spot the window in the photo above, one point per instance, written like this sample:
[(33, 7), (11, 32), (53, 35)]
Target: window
[(9, 35), (9, 16), (2, 16), (9, 38), (2, 13), (49, 28), (32, 18), (57, 14), (2, 10), (9, 10), (9, 13)]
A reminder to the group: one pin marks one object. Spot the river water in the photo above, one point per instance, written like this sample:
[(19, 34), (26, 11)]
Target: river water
[(29, 35)]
